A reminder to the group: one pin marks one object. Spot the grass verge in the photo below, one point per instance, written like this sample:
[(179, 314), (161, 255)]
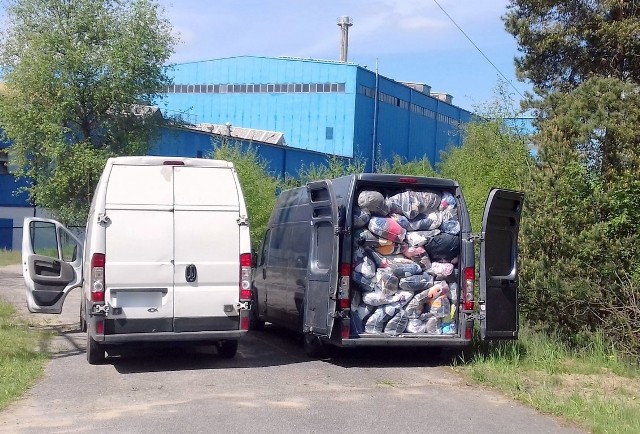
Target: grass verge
[(592, 387), (10, 257), (21, 363)]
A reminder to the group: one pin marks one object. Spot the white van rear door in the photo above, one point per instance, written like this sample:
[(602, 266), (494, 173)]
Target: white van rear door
[(207, 229), (499, 265), (51, 264), (139, 248)]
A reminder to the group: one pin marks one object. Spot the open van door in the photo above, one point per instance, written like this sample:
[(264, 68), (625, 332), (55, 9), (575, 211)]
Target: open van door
[(322, 268), (498, 265), (51, 264)]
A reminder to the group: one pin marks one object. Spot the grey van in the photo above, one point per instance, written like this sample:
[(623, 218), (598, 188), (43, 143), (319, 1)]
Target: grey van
[(306, 276)]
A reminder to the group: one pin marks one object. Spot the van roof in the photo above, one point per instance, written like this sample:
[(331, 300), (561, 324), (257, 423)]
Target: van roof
[(160, 161)]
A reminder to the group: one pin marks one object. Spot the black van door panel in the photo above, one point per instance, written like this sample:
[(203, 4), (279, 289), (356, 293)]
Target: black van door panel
[(498, 265), (322, 267)]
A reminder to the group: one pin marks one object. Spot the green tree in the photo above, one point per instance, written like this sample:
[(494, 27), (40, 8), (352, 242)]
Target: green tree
[(401, 166), (79, 76), (494, 153), (564, 42), (336, 166), (258, 185)]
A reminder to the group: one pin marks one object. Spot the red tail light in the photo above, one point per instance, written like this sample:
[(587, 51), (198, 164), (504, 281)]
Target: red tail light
[(245, 277), (406, 180), (97, 277), (467, 288), (100, 327), (244, 320), (344, 286), (468, 333), (345, 329)]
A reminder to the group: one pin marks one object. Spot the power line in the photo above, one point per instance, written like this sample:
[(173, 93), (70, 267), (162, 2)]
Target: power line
[(478, 48)]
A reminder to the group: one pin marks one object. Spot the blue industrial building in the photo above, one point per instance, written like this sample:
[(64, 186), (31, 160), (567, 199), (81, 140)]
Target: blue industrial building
[(323, 106), (292, 111)]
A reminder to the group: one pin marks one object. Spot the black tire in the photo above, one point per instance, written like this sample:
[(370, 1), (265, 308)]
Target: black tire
[(255, 323), (83, 321), (314, 346), (95, 351), (227, 349)]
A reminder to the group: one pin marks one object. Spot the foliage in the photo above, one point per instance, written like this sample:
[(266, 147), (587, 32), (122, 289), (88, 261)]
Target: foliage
[(566, 42), (582, 215), (20, 361), (336, 167), (494, 154), (78, 77), (401, 166), (258, 186)]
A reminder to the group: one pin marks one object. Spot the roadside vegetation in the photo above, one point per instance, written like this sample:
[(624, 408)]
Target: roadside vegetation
[(21, 361), (10, 257)]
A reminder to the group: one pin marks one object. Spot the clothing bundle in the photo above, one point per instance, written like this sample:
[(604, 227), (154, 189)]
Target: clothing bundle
[(405, 263)]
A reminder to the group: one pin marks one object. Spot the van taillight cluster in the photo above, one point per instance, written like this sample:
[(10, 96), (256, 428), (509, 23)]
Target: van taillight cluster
[(245, 277), (97, 277), (467, 290)]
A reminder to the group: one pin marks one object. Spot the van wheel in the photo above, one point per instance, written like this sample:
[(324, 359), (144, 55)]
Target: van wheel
[(227, 349), (95, 351), (314, 347)]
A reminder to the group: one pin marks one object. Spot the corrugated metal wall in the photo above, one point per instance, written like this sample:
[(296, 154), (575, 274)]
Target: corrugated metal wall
[(303, 117)]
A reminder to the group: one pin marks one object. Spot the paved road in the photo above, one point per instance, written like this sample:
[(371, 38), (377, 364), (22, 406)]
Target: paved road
[(271, 386)]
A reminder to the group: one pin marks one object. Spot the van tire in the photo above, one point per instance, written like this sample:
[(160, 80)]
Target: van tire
[(314, 347), (95, 351), (227, 349)]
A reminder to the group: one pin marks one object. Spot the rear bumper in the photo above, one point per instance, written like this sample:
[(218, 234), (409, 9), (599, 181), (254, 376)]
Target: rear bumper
[(409, 340), (171, 336)]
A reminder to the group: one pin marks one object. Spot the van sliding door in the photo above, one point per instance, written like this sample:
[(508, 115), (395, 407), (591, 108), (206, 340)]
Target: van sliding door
[(322, 269)]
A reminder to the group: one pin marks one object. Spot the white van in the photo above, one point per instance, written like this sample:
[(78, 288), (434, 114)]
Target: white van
[(166, 256)]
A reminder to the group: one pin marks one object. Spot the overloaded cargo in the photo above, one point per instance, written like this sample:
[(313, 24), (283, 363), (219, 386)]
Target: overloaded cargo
[(404, 263), (388, 260)]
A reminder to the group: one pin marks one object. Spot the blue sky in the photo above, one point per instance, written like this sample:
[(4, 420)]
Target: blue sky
[(412, 40)]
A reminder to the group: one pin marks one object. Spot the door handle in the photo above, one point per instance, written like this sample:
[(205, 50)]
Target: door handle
[(191, 273)]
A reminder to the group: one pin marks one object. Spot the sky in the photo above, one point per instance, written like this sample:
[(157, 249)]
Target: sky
[(409, 40)]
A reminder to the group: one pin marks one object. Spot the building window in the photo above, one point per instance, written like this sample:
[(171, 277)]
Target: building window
[(329, 133)]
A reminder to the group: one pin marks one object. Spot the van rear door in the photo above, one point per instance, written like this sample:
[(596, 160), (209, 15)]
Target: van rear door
[(51, 264), (322, 269), (498, 265), (207, 229)]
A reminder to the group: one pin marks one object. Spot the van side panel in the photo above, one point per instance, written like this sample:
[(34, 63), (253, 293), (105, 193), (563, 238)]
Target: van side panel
[(207, 235)]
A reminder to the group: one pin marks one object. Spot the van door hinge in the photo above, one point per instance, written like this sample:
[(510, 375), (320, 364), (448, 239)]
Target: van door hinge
[(103, 219), (339, 314), (476, 237), (243, 220), (337, 230)]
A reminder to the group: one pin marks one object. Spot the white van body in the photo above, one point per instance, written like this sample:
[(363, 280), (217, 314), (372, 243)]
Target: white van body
[(168, 238)]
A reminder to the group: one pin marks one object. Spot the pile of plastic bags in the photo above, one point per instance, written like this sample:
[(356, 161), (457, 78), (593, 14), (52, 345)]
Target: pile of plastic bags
[(404, 263)]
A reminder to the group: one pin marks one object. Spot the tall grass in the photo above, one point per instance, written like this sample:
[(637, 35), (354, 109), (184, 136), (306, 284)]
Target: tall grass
[(591, 385), (9, 257), (21, 362)]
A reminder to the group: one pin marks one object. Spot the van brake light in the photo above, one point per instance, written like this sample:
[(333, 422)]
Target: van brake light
[(97, 277), (245, 277), (469, 278)]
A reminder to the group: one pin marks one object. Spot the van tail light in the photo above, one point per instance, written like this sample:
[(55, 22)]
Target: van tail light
[(467, 290), (468, 333), (344, 286), (245, 277), (100, 327), (346, 325), (244, 320), (97, 278)]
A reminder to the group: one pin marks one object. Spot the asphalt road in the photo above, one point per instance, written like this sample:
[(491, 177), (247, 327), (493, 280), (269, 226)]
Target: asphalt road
[(271, 386)]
